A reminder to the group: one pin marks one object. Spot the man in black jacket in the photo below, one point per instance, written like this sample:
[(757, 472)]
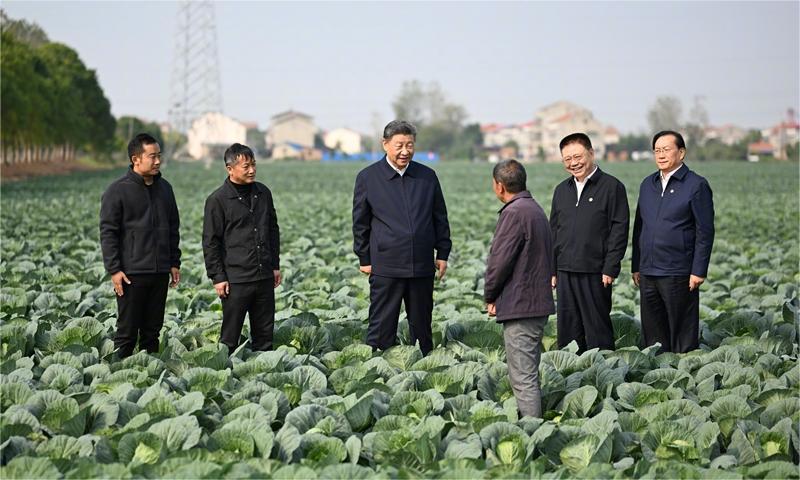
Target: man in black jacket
[(589, 218), (139, 236), (517, 283), (399, 218), (241, 246)]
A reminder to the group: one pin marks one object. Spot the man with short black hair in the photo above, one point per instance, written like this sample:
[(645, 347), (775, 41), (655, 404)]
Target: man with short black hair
[(589, 218), (139, 237), (399, 219), (241, 246), (517, 282), (672, 239)]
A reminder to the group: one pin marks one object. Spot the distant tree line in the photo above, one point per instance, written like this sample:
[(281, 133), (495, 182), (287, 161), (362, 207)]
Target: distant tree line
[(441, 124), (52, 105)]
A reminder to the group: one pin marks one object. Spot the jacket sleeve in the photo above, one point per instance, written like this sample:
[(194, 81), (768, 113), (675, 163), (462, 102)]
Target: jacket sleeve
[(111, 231), (617, 241), (441, 226), (637, 232), (213, 240), (362, 220), (702, 205), (506, 246), (553, 230), (274, 235), (174, 232)]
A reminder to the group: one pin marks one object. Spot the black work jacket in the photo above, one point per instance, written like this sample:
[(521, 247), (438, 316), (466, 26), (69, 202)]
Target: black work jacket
[(139, 226), (241, 239), (398, 221), (590, 235), (518, 269)]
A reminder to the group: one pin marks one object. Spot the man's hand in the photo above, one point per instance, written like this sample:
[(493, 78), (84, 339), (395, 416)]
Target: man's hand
[(174, 276), (695, 282), (276, 274), (491, 309), (223, 289), (635, 277), (366, 269), (441, 267), (553, 282), (117, 280), (607, 280)]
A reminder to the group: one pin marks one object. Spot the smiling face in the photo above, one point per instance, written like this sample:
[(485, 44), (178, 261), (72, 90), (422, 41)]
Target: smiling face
[(243, 172), (578, 160), (399, 150), (668, 155)]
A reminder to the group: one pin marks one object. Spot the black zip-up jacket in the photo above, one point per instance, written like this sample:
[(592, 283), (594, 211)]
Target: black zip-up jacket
[(241, 239), (398, 221), (139, 226), (590, 235), (518, 269)]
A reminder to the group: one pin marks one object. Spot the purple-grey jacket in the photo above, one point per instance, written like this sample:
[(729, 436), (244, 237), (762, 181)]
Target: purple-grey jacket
[(519, 266)]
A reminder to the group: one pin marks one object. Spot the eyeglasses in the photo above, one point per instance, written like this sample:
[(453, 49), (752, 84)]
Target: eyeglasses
[(665, 150), (577, 158)]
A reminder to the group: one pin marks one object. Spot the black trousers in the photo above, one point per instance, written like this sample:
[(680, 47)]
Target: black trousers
[(140, 313), (385, 295), (256, 299), (670, 313), (584, 311)]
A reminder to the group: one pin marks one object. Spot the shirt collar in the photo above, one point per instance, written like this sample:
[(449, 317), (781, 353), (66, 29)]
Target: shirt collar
[(669, 174), (399, 171), (596, 168)]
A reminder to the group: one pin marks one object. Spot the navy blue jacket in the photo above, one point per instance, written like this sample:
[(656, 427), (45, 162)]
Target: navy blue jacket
[(673, 233), (398, 221)]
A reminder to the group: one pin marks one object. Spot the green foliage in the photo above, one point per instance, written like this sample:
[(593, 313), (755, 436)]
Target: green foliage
[(324, 405)]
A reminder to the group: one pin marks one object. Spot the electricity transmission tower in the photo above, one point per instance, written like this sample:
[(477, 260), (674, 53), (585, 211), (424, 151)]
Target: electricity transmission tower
[(195, 85)]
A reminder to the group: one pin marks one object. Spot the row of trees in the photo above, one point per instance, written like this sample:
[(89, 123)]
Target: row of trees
[(52, 105)]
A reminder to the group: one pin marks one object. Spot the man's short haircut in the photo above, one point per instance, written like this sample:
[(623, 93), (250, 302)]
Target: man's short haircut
[(678, 138), (576, 137), (137, 143), (399, 127), (511, 174), (235, 151)]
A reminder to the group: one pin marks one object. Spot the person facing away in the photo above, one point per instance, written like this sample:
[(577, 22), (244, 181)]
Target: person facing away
[(399, 220), (241, 247), (517, 287), (673, 234), (139, 237), (589, 218)]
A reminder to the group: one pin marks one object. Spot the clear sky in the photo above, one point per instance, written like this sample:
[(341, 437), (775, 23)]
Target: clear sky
[(344, 62)]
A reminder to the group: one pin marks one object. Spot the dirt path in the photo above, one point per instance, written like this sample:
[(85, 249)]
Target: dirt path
[(21, 171)]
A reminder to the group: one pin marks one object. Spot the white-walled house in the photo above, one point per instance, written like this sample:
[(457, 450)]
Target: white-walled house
[(213, 130), (344, 140)]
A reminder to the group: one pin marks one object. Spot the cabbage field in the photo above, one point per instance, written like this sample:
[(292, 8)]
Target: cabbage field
[(322, 405)]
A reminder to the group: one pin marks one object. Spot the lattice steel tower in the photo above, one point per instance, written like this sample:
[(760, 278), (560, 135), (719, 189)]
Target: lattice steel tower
[(195, 84)]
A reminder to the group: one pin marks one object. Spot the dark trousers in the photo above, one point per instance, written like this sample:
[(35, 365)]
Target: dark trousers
[(584, 311), (140, 313), (256, 299), (385, 295), (670, 313)]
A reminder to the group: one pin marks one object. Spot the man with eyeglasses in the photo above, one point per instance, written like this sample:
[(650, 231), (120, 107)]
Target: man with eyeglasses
[(589, 219), (673, 233)]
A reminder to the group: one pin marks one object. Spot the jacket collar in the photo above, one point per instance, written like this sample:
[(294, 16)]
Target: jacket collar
[(679, 174), (517, 196), (139, 179), (233, 193), (390, 173), (593, 179)]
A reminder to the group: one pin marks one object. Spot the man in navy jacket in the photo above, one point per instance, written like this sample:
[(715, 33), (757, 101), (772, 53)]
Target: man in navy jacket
[(399, 219), (672, 238)]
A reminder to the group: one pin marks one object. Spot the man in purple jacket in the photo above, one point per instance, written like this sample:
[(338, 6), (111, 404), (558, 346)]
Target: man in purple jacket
[(517, 285), (672, 238)]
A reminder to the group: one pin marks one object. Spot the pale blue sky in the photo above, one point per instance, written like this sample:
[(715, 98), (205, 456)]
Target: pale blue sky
[(341, 61)]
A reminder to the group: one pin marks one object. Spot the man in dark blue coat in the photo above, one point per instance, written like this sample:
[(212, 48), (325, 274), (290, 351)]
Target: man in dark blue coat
[(399, 219), (672, 238)]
